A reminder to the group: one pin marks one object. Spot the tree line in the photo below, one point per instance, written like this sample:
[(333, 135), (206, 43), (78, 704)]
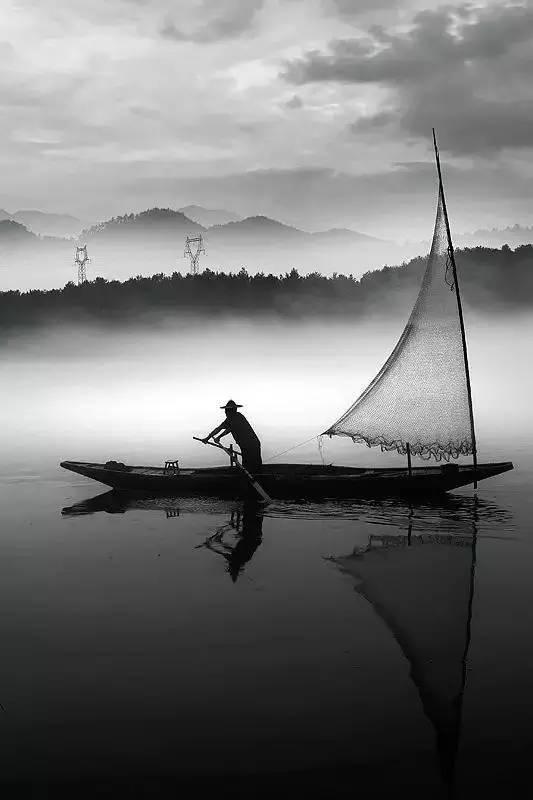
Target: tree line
[(498, 279)]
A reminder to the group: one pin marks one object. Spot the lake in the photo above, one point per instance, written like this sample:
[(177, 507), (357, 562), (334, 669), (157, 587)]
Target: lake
[(153, 644)]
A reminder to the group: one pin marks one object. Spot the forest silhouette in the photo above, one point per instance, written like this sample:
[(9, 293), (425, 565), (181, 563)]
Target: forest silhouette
[(491, 279)]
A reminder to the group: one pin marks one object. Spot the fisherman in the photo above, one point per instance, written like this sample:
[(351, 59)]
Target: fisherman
[(243, 433)]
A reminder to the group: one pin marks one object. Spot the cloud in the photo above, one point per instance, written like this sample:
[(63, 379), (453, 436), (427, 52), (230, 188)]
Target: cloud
[(225, 20), (99, 114), (294, 102), (351, 9), (395, 203), (460, 69)]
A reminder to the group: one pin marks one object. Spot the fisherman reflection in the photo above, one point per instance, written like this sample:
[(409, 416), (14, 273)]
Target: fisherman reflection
[(246, 524)]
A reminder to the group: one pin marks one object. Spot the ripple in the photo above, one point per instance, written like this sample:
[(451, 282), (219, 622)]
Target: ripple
[(449, 514)]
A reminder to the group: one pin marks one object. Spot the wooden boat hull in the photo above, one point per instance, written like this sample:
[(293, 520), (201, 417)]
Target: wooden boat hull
[(289, 481)]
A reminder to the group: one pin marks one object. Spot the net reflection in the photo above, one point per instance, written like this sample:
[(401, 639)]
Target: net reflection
[(422, 585)]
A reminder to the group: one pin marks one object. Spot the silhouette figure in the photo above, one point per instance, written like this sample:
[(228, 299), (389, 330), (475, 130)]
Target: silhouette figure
[(243, 433), (247, 523)]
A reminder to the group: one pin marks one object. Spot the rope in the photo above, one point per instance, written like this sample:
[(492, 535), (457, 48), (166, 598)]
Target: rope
[(291, 449)]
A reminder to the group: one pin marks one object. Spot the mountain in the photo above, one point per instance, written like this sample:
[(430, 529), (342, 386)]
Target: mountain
[(267, 245), (29, 261), (347, 235), (153, 222), (209, 216), (270, 231), (12, 232), (514, 236), (48, 224), (257, 229)]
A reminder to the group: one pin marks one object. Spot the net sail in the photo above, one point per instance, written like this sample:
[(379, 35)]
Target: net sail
[(420, 396), (422, 587)]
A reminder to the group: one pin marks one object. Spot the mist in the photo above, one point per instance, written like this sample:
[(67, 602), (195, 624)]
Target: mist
[(139, 394)]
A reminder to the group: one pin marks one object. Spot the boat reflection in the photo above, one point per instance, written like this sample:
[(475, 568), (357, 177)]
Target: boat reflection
[(236, 540), (113, 502)]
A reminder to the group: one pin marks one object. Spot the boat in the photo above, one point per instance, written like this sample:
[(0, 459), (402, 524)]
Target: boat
[(290, 481), (419, 404)]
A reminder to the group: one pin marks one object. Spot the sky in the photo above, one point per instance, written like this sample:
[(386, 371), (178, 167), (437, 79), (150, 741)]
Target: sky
[(315, 112)]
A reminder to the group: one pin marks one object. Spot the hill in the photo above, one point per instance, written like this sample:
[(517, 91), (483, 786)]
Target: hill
[(254, 227), (47, 224), (13, 233), (154, 221), (28, 260), (209, 216)]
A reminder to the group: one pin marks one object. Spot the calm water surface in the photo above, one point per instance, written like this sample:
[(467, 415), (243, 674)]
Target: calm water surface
[(322, 649)]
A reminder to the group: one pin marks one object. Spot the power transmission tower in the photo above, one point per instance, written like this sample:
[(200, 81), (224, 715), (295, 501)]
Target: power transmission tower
[(81, 260), (194, 252)]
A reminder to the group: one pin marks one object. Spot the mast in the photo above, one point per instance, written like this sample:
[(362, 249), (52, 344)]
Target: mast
[(459, 308)]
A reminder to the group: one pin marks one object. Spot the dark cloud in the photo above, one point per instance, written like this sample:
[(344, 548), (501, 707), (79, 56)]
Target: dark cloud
[(445, 37), (462, 70), (225, 20)]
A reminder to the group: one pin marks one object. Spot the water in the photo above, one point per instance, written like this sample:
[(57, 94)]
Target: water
[(175, 643)]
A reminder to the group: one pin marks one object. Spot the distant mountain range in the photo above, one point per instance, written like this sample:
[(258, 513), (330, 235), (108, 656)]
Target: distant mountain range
[(43, 223), (166, 221), (514, 236), (153, 241)]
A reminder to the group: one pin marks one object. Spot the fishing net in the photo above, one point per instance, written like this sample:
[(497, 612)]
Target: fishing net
[(420, 395)]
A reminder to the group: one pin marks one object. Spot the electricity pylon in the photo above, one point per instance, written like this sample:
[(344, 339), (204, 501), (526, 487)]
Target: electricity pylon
[(81, 260), (194, 252)]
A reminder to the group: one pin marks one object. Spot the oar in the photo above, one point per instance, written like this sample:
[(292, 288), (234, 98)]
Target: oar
[(257, 486)]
